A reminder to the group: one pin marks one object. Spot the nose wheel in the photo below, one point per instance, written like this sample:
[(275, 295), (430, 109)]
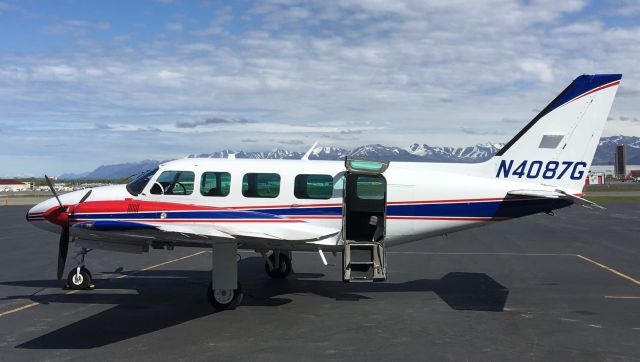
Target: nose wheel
[(80, 277)]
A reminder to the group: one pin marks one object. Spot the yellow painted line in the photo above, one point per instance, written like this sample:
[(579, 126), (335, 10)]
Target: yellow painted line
[(479, 253), (19, 309), (27, 306), (621, 297), (161, 264), (622, 275)]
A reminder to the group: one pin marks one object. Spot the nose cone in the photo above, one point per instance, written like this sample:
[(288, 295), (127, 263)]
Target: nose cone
[(37, 215), (49, 216)]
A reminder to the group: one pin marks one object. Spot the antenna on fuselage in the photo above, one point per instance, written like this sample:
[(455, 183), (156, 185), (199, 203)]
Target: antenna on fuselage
[(308, 153)]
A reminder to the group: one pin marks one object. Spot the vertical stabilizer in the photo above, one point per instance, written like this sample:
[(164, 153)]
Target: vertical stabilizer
[(557, 147)]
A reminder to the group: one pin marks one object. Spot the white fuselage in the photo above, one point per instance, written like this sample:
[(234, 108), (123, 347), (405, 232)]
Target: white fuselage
[(422, 199)]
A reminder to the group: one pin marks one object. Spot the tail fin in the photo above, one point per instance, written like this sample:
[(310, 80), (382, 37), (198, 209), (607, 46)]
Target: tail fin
[(557, 147)]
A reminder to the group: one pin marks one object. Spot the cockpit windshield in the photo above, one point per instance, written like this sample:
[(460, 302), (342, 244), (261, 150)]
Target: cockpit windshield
[(138, 184)]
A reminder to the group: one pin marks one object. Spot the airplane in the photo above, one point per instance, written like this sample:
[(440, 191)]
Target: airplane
[(356, 207)]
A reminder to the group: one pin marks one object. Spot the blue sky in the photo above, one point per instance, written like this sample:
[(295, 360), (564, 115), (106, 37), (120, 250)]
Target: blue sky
[(85, 83)]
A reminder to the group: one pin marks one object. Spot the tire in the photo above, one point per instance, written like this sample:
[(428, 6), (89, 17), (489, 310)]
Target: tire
[(86, 271), (81, 282), (282, 271), (223, 300)]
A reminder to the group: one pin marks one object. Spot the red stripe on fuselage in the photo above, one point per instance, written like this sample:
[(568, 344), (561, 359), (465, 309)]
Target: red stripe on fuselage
[(149, 221), (447, 218), (133, 206)]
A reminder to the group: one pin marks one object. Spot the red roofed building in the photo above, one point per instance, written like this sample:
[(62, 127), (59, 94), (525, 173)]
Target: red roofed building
[(12, 185)]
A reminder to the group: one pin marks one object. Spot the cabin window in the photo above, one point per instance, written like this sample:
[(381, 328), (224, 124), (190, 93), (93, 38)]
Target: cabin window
[(174, 183), (261, 185), (370, 188), (215, 184), (313, 187)]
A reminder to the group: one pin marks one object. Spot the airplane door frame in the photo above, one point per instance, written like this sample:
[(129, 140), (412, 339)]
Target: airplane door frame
[(364, 218)]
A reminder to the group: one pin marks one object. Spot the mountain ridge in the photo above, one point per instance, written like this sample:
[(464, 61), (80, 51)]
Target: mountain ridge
[(414, 153)]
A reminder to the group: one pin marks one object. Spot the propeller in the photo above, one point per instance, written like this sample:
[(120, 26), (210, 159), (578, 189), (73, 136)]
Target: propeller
[(63, 248), (63, 245), (53, 191)]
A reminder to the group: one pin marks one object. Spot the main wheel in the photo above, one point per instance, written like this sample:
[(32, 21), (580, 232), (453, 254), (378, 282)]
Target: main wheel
[(278, 271), (80, 281), (223, 299)]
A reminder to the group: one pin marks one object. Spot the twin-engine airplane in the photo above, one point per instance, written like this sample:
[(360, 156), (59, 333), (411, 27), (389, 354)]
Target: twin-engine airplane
[(357, 207)]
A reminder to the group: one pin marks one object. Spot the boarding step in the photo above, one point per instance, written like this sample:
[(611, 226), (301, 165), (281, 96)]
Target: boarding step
[(363, 261)]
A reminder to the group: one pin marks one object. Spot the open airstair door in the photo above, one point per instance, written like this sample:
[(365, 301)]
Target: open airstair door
[(363, 220)]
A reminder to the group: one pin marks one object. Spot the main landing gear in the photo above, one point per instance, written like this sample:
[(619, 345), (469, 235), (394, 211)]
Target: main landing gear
[(224, 291), (80, 278), (278, 264)]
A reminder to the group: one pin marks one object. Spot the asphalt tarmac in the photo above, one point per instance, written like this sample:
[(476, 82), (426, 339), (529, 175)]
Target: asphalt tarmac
[(539, 288)]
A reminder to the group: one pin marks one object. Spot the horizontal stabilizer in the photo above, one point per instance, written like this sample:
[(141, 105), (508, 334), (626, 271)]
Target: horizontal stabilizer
[(556, 194), (581, 201), (537, 193)]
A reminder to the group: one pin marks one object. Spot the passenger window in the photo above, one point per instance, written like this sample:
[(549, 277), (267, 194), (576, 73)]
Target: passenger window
[(370, 188), (313, 187), (215, 184), (174, 183), (261, 185)]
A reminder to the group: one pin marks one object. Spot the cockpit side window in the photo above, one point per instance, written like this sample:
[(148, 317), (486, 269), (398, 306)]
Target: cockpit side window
[(138, 184), (174, 183)]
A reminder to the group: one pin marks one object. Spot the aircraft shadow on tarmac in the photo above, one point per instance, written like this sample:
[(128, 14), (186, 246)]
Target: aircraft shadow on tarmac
[(167, 298)]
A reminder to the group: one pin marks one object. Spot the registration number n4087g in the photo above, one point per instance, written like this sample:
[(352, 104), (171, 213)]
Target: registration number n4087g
[(546, 169)]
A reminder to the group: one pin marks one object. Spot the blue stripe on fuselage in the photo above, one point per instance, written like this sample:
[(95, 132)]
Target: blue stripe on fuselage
[(483, 209)]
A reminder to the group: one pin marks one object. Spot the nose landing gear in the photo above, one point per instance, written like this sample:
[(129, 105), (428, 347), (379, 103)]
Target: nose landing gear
[(80, 278)]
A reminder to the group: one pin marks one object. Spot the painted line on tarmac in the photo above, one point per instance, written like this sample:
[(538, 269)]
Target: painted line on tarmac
[(622, 275), (465, 253), (27, 306), (161, 264), (621, 297), (19, 309)]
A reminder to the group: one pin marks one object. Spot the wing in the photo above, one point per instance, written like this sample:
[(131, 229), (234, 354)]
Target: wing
[(285, 230)]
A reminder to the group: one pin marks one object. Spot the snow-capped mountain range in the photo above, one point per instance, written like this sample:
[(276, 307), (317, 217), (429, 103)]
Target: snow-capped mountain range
[(415, 153)]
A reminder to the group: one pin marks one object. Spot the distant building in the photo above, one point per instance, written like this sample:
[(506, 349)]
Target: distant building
[(7, 185), (597, 178), (620, 164)]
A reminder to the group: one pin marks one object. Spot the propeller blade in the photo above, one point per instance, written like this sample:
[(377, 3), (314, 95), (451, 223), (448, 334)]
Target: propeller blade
[(63, 248), (53, 190), (85, 197)]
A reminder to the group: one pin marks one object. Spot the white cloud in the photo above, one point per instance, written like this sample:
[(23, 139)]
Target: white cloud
[(177, 27), (395, 73), (77, 27), (542, 70), (4, 7)]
